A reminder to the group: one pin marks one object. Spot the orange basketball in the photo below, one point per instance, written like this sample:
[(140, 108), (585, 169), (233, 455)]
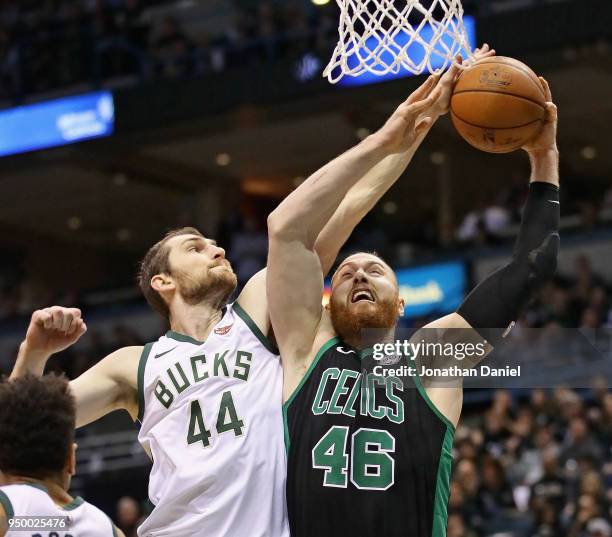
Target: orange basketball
[(498, 105)]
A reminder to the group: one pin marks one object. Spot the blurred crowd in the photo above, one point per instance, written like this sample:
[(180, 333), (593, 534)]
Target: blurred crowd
[(50, 44), (539, 466), (56, 43), (490, 219)]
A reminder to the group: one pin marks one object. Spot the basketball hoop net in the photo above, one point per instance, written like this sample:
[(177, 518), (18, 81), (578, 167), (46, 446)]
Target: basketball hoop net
[(385, 36)]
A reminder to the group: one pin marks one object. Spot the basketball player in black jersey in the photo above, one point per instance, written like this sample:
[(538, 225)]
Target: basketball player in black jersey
[(367, 456)]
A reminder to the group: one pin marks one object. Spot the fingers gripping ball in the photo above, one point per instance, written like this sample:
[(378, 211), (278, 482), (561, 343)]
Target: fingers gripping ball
[(498, 105)]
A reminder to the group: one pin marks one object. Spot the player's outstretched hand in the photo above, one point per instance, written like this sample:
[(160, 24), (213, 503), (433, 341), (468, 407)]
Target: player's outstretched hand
[(411, 118), (547, 139), (52, 330), (444, 89), (424, 106), (480, 53)]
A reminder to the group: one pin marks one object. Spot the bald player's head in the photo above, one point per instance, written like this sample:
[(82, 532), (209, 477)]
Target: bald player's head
[(364, 294)]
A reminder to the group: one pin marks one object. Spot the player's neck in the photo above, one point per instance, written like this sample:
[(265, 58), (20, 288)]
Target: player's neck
[(195, 320), (53, 487)]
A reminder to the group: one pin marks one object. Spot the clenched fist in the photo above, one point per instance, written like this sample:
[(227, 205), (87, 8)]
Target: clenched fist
[(54, 329)]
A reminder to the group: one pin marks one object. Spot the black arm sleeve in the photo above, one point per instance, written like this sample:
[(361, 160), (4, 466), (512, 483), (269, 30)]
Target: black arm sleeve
[(499, 299)]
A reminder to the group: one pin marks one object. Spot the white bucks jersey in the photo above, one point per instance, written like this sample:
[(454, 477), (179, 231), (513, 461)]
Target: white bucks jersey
[(47, 519), (211, 419)]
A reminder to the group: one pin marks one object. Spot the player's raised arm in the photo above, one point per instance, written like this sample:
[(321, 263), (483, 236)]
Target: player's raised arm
[(357, 202), (370, 188), (362, 196), (496, 302), (100, 390), (51, 330), (295, 226)]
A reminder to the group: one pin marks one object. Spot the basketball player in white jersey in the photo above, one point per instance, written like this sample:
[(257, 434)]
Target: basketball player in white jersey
[(208, 394), (37, 460)]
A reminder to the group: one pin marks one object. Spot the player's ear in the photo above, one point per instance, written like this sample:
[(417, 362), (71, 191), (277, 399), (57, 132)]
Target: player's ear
[(71, 462), (400, 307), (162, 282)]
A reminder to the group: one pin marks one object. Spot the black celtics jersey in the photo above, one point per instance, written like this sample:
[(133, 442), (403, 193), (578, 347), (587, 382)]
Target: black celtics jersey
[(368, 454)]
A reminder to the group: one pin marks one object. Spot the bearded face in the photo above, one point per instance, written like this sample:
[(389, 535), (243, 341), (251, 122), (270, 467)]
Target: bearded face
[(349, 321), (200, 271), (215, 283), (364, 295)]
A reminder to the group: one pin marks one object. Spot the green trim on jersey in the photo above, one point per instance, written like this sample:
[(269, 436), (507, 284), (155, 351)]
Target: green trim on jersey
[(6, 505), (440, 515), (74, 504), (321, 352), (141, 372), (183, 338), (364, 353), (254, 328), (430, 403)]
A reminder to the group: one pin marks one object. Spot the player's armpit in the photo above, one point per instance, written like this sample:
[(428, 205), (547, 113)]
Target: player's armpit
[(446, 393), (109, 385), (453, 329)]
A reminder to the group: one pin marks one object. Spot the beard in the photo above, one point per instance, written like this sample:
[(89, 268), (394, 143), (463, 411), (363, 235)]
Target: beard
[(211, 286), (350, 324)]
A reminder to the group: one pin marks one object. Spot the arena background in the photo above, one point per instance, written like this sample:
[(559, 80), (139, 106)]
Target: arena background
[(220, 110)]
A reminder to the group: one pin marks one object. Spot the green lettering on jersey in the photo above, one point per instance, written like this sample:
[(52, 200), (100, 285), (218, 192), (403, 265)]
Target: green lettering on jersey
[(197, 431), (373, 409), (197, 376), (363, 401), (227, 419), (348, 409), (396, 412), (372, 467), (179, 387), (220, 362), (330, 455), (318, 406), (163, 394), (340, 390), (243, 361)]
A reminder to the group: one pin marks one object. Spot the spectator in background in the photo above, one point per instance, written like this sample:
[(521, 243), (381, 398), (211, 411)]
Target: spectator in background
[(551, 488), (128, 516), (547, 521), (174, 51), (456, 527), (598, 527), (585, 512), (495, 494), (485, 224), (585, 279), (580, 443)]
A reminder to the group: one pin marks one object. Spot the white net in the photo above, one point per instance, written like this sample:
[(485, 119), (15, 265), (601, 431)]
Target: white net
[(384, 36)]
